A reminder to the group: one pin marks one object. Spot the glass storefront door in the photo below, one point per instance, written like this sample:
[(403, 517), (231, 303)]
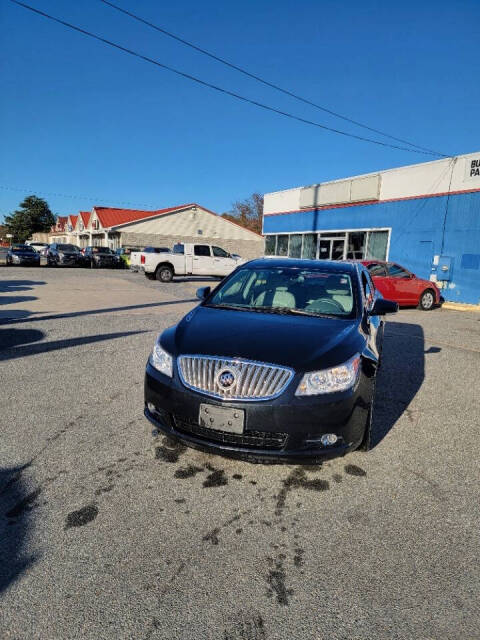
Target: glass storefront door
[(331, 248)]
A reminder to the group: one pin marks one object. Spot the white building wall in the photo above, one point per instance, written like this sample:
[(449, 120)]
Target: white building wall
[(427, 178)]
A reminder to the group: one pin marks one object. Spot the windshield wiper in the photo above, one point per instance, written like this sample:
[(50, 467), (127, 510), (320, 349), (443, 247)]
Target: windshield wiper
[(283, 311), (230, 307)]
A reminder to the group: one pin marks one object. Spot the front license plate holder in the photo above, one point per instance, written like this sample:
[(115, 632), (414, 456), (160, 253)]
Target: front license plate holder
[(221, 418)]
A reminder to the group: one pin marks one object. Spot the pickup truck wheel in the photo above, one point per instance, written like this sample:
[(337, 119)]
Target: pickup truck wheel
[(164, 273), (150, 276)]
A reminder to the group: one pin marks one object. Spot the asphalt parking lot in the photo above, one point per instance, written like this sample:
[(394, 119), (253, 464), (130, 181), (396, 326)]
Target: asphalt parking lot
[(105, 533)]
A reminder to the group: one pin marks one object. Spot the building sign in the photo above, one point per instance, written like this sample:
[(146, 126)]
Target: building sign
[(472, 168)]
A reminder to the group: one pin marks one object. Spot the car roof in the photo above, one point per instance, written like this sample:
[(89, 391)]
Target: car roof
[(335, 266)]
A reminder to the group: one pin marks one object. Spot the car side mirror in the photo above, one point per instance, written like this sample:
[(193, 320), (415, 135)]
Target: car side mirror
[(382, 306), (203, 293)]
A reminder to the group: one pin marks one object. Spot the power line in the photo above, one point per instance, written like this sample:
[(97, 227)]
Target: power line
[(215, 87), (262, 80), (66, 195)]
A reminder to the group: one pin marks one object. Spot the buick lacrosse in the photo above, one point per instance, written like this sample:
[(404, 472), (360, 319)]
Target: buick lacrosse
[(277, 362)]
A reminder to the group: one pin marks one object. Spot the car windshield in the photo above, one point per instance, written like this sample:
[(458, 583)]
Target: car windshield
[(67, 247), (22, 248), (290, 290)]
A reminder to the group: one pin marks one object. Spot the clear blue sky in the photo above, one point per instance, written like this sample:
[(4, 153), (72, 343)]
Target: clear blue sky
[(80, 118)]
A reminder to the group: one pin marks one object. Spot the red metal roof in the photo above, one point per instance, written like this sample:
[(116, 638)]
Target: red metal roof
[(60, 224), (111, 217), (85, 216)]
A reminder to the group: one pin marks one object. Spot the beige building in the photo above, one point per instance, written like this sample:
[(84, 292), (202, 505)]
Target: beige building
[(111, 227)]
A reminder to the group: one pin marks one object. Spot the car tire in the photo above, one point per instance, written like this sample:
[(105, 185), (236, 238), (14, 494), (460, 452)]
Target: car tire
[(150, 276), (427, 300), (367, 441), (164, 273)]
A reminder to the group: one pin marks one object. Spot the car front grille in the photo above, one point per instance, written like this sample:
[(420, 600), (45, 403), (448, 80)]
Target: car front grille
[(251, 380), (248, 439)]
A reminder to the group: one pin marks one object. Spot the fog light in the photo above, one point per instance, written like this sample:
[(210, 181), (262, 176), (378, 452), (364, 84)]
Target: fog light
[(151, 407), (328, 439)]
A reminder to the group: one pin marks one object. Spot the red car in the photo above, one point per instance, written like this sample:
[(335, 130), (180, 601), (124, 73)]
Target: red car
[(400, 285)]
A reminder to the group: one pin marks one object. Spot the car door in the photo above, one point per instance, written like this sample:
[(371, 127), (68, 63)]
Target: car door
[(202, 260), (223, 263), (402, 283)]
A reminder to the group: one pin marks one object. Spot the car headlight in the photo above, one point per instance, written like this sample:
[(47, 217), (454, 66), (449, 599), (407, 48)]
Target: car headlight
[(161, 360), (329, 380)]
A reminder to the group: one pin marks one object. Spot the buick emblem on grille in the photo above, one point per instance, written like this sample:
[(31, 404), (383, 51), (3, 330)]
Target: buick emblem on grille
[(226, 379)]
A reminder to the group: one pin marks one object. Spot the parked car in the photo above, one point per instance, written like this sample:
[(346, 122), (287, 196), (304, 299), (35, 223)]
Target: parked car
[(22, 254), (63, 255), (98, 257), (123, 254), (278, 361), (397, 283), (3, 254), (188, 259)]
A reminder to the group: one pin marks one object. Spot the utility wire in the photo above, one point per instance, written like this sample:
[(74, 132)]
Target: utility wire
[(215, 87), (67, 195), (262, 80)]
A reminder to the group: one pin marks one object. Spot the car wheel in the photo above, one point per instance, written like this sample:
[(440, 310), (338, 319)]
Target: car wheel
[(150, 276), (164, 273), (427, 300)]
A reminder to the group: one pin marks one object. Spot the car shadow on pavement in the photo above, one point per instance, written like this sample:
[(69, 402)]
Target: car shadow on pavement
[(7, 286), (16, 503), (400, 377), (17, 343), (25, 317)]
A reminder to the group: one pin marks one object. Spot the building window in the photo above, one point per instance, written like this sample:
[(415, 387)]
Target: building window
[(358, 244), (295, 246), (270, 245), (282, 245), (377, 245), (309, 247)]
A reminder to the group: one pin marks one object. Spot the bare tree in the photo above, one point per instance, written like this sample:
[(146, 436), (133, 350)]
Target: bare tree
[(247, 213)]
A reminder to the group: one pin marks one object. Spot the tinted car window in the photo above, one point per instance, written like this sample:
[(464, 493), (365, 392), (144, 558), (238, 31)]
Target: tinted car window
[(202, 250), (395, 271), (179, 248), (287, 290), (377, 270), (220, 253)]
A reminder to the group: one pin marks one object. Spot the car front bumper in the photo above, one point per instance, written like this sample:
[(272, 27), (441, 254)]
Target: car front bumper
[(287, 428), (24, 262)]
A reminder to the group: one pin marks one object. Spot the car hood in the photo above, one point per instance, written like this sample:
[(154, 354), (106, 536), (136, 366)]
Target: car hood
[(300, 342)]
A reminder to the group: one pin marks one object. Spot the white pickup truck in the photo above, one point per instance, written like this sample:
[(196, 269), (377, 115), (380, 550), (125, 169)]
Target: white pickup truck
[(189, 259)]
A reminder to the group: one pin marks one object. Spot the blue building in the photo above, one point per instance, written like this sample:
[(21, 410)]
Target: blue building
[(424, 216)]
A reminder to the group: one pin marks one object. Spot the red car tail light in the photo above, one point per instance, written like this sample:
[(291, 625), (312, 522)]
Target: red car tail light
[(142, 259)]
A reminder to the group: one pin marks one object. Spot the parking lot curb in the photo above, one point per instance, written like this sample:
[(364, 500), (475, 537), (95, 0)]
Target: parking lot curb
[(457, 306)]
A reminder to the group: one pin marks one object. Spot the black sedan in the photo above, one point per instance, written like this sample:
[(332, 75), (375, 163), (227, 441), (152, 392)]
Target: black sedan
[(98, 257), (22, 254), (279, 361), (63, 255)]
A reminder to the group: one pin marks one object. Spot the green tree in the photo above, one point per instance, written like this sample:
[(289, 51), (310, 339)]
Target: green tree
[(247, 213), (32, 215)]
